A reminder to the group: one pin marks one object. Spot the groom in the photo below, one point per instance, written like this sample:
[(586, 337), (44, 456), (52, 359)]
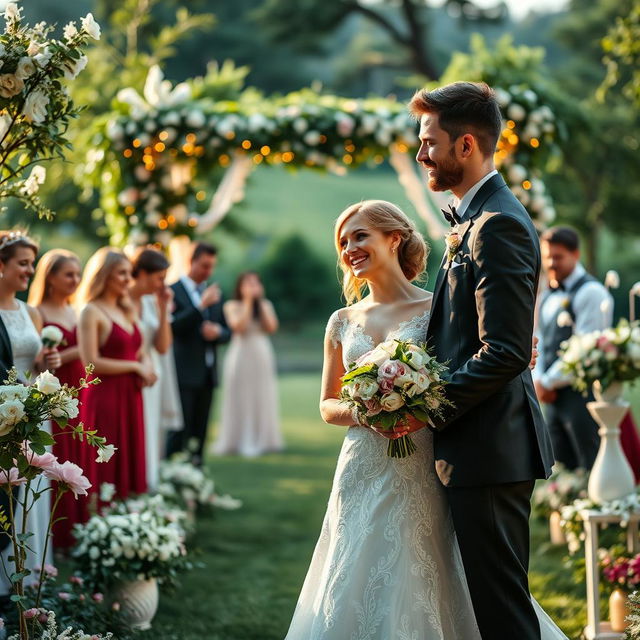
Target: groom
[(492, 444)]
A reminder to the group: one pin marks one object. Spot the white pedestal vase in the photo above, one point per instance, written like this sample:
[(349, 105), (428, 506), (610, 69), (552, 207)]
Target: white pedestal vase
[(611, 477), (138, 602)]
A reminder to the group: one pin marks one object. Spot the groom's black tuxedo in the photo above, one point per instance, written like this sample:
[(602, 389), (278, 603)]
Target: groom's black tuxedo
[(482, 323), (492, 443)]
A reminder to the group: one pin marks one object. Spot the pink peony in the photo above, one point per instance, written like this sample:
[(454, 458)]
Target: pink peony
[(13, 479), (386, 385), (45, 461), (70, 475), (31, 613)]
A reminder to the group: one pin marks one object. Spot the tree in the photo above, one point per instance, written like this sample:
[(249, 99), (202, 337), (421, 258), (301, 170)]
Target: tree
[(405, 22)]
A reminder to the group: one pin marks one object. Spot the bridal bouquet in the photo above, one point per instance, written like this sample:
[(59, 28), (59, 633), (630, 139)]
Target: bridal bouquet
[(395, 380), (612, 355)]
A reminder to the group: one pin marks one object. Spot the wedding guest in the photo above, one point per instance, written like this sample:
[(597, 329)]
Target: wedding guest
[(249, 425), (574, 303), (109, 338), (153, 300), (199, 326), (25, 352), (55, 282)]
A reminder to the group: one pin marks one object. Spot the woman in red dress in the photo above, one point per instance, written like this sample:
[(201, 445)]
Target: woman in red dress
[(55, 282), (109, 338)]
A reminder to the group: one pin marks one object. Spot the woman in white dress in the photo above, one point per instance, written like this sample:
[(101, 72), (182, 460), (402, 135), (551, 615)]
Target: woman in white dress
[(387, 564), (249, 424), (152, 298), (23, 324)]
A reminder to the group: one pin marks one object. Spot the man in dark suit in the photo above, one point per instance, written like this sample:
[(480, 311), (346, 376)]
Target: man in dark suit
[(492, 443), (198, 327)]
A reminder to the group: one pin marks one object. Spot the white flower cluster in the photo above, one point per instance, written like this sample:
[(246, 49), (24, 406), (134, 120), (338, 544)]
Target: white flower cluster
[(533, 124), (53, 401), (612, 355), (157, 505), (184, 483), (113, 541), (572, 522)]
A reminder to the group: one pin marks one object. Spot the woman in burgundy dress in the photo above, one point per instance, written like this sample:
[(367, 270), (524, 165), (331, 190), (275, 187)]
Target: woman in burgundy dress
[(55, 282), (109, 338)]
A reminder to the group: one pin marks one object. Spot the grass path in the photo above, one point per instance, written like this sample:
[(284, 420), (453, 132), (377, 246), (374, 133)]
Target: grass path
[(255, 559)]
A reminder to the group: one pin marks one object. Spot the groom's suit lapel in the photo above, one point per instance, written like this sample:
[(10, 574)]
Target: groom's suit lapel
[(474, 209)]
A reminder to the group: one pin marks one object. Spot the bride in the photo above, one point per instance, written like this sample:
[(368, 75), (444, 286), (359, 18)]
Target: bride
[(387, 564)]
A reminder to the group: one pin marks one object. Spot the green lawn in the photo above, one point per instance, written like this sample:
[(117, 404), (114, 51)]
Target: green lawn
[(255, 559)]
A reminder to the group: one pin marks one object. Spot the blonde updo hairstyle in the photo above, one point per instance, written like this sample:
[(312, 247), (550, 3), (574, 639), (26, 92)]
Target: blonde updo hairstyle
[(387, 218)]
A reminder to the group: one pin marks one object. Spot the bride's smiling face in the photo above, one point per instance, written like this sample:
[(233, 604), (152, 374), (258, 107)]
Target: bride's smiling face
[(364, 249)]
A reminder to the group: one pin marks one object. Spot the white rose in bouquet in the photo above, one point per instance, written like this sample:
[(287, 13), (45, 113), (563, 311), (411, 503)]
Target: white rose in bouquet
[(416, 358), (633, 350), (91, 26), (73, 68), (391, 402), (11, 412), (10, 85), (11, 12), (68, 408), (365, 389), (13, 392), (26, 68), (70, 31), (35, 106), (47, 383)]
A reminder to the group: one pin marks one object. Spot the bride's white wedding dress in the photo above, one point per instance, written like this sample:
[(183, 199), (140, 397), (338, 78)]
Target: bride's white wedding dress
[(387, 564)]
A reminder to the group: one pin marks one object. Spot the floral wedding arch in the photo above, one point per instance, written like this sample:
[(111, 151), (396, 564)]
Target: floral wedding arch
[(149, 155)]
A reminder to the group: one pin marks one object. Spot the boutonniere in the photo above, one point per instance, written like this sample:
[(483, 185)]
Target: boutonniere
[(453, 241), (566, 303)]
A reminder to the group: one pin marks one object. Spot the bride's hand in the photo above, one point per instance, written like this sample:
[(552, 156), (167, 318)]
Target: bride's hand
[(404, 428)]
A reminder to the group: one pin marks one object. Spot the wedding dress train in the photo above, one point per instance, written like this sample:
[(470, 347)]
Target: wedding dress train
[(387, 564)]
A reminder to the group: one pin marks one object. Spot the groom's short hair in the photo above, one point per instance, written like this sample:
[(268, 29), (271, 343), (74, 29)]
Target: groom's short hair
[(463, 107), (564, 236)]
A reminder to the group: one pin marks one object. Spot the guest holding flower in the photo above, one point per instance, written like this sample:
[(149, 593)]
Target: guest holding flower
[(56, 280), (109, 338)]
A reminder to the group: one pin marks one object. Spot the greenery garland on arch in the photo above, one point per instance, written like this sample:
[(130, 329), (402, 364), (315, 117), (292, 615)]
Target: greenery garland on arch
[(152, 155)]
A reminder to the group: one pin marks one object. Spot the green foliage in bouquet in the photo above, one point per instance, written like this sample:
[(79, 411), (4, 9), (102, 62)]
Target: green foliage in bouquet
[(35, 106)]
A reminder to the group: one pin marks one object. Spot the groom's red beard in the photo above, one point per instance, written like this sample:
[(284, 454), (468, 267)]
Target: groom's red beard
[(446, 174)]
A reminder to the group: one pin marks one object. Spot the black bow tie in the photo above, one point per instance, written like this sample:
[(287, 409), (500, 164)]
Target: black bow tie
[(451, 215)]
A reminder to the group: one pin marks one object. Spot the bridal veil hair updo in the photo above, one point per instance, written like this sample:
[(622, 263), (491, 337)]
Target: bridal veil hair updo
[(387, 218)]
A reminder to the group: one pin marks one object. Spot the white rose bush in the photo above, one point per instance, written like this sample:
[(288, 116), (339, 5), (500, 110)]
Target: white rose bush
[(24, 459), (35, 107), (612, 355), (388, 384)]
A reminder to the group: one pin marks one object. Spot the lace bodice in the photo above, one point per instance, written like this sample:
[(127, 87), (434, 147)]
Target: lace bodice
[(355, 342), (25, 341)]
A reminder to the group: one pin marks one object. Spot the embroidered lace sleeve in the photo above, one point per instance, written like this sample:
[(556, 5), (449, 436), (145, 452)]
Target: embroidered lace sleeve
[(335, 328)]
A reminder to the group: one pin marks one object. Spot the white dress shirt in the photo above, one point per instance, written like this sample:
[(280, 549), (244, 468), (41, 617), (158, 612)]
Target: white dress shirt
[(192, 289), (463, 204), (593, 310)]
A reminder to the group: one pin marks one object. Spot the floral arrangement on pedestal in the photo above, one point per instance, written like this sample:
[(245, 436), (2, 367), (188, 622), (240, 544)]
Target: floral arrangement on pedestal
[(571, 521), (24, 460), (561, 488), (620, 568), (608, 356), (35, 107), (190, 488), (117, 548)]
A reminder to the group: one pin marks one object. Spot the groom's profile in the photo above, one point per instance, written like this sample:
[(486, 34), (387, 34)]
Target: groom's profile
[(492, 443)]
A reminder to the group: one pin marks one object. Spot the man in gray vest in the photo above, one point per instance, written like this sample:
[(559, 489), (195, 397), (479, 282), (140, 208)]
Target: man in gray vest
[(575, 302)]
